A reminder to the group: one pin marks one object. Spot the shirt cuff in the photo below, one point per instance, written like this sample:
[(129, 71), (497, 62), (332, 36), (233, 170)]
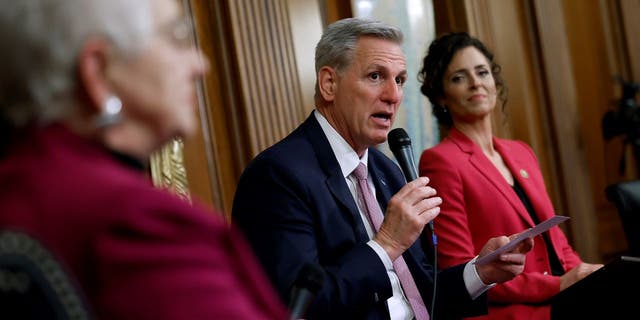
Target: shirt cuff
[(388, 264), (472, 280)]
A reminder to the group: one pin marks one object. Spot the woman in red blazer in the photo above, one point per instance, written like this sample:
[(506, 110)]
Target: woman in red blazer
[(489, 186), (88, 90)]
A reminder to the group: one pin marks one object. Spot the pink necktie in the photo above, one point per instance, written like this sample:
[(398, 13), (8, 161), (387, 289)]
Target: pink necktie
[(375, 216)]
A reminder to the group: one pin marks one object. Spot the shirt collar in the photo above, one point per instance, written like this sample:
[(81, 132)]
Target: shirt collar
[(346, 156)]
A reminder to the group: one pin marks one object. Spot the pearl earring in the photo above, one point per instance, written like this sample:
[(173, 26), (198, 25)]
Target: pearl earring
[(111, 108)]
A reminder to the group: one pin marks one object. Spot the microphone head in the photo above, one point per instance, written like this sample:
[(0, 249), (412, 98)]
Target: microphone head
[(311, 277), (397, 139), (400, 145)]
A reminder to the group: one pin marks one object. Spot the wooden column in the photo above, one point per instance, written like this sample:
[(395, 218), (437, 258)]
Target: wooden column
[(253, 95)]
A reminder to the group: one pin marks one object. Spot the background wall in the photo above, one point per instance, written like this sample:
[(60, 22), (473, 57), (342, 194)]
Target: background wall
[(559, 59)]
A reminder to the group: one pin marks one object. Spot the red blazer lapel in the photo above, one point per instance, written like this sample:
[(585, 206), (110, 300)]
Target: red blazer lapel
[(524, 167), (481, 163)]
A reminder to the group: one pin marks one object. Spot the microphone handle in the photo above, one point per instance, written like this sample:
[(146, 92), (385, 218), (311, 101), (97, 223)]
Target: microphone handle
[(405, 159), (408, 166), (301, 299)]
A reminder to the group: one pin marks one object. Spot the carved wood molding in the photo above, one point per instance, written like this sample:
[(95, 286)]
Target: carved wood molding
[(168, 171), (269, 83)]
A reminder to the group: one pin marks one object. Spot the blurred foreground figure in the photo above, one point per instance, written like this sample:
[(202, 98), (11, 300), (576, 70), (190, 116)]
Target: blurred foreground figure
[(88, 90)]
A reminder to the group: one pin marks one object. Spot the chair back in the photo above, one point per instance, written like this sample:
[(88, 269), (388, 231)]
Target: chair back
[(626, 197), (33, 284)]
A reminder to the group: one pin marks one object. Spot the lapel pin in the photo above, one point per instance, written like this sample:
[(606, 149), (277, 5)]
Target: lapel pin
[(524, 173)]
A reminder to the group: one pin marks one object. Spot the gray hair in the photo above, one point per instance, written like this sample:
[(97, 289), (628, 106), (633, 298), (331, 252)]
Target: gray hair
[(338, 42), (41, 42), (335, 48)]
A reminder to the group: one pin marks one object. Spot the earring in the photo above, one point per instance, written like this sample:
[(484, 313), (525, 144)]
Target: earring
[(445, 109), (110, 114)]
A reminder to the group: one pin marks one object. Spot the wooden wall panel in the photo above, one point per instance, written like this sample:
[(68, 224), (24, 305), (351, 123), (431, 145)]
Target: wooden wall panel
[(215, 158), (252, 95), (630, 19), (594, 83), (334, 10), (450, 15), (562, 93), (621, 29), (267, 71)]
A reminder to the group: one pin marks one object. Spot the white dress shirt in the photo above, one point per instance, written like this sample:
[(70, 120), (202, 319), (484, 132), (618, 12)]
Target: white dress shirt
[(399, 307)]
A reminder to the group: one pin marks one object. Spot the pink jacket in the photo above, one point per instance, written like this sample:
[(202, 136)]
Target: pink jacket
[(137, 252)]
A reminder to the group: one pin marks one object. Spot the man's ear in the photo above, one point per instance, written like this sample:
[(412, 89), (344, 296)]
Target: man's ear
[(327, 83), (92, 66)]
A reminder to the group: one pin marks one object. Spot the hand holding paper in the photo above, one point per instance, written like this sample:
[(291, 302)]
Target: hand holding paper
[(529, 233), (502, 258)]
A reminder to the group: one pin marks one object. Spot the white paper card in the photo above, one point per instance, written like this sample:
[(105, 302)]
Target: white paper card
[(529, 233)]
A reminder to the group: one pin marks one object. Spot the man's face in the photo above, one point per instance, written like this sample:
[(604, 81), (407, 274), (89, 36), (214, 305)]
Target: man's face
[(368, 93)]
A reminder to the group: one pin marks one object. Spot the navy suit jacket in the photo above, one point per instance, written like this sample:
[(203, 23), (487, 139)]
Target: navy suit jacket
[(295, 207)]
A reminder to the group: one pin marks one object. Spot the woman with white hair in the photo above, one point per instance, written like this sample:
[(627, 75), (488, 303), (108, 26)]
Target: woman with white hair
[(88, 90)]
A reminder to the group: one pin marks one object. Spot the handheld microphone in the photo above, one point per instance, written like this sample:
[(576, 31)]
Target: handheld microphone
[(400, 145), (305, 288)]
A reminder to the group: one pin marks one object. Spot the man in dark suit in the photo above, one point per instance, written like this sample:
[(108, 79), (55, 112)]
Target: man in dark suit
[(297, 201)]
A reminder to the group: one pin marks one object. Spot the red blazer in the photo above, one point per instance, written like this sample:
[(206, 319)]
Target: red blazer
[(137, 252), (478, 204)]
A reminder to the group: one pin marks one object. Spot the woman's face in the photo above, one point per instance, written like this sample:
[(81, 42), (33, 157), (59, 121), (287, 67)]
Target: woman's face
[(469, 86), (158, 86)]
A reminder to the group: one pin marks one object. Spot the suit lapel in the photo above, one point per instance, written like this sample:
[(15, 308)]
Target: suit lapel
[(383, 192), (334, 179), (511, 160), (385, 189), (484, 166), (522, 172)]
